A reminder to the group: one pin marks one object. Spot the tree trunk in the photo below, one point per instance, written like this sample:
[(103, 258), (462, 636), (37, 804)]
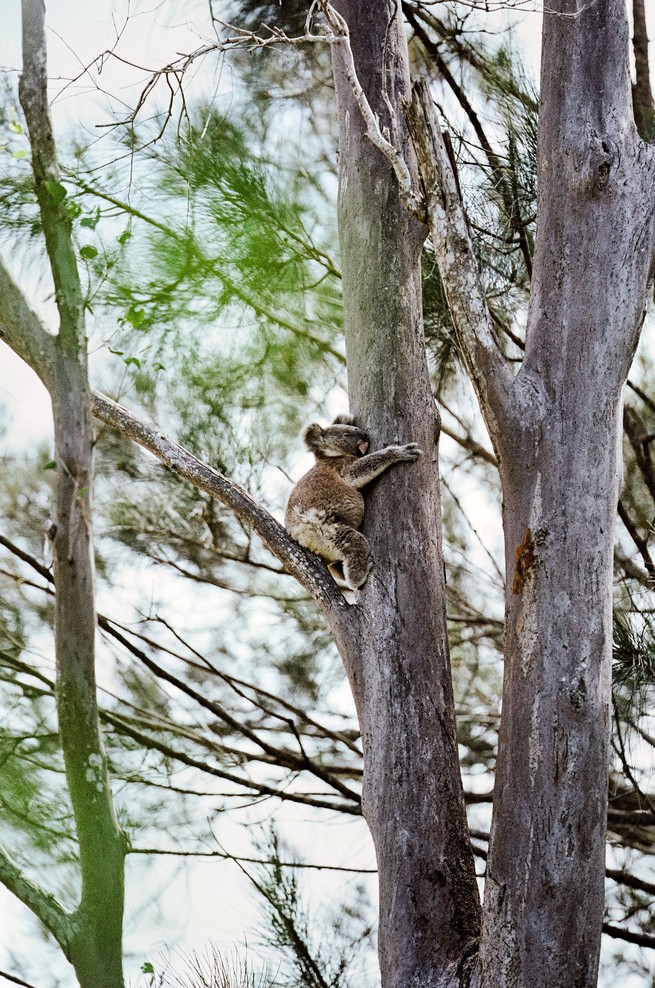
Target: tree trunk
[(559, 467), (429, 904), (93, 934), (96, 943)]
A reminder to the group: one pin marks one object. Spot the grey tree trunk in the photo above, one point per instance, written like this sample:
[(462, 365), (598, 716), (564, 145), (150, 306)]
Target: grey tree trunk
[(555, 428), (399, 665), (560, 474)]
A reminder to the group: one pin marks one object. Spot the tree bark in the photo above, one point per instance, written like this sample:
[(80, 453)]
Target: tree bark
[(559, 466), (555, 430), (429, 904), (642, 93)]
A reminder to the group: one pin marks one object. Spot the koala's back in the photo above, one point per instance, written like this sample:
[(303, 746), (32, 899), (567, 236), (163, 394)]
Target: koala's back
[(319, 501)]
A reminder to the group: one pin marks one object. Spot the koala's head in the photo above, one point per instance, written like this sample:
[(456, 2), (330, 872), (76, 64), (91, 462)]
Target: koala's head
[(339, 439)]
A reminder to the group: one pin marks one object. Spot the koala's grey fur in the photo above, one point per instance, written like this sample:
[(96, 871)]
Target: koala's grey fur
[(326, 508)]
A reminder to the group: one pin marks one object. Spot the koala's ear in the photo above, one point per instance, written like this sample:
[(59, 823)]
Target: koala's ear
[(313, 436), (344, 420)]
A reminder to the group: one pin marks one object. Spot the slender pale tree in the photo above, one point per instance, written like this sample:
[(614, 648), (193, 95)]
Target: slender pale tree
[(90, 936)]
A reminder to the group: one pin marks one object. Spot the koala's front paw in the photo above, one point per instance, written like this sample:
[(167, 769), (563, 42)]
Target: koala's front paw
[(410, 452)]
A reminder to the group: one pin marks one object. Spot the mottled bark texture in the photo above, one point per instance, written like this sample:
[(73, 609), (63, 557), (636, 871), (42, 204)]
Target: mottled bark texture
[(91, 936), (413, 801), (560, 474), (555, 430)]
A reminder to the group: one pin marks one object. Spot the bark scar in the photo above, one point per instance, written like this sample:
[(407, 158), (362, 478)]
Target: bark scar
[(525, 559)]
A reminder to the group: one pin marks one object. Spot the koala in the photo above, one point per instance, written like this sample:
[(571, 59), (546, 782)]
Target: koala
[(326, 508)]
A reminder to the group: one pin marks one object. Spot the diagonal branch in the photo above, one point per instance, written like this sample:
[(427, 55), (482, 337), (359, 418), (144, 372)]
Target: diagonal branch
[(458, 266), (406, 190), (306, 568), (44, 905)]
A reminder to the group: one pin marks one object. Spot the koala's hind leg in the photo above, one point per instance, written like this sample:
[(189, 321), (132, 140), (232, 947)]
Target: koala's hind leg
[(355, 556)]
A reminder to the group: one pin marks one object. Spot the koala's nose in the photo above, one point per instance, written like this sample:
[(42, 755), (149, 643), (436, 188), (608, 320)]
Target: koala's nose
[(363, 446)]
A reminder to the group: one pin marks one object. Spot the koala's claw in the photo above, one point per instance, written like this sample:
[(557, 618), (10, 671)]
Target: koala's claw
[(412, 451)]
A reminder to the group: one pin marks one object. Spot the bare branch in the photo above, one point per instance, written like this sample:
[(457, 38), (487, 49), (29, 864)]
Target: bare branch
[(123, 725), (458, 267), (500, 173), (406, 190), (276, 756), (224, 856), (14, 980), (640, 939)]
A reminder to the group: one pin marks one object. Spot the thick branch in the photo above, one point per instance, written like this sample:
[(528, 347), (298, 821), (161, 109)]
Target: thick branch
[(276, 756), (458, 267), (406, 191), (306, 568), (44, 906)]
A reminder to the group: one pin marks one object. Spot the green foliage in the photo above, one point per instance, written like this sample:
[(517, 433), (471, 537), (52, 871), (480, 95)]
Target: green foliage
[(633, 651)]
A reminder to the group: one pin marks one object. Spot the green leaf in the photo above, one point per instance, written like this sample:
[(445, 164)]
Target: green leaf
[(73, 209), (135, 316), (89, 252), (15, 127), (50, 465), (124, 237), (119, 353), (133, 360), (91, 222), (20, 155), (56, 191), (147, 968)]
